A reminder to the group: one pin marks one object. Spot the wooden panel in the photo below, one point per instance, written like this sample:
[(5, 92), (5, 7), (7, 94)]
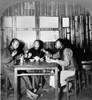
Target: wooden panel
[(26, 36), (49, 36), (7, 22), (48, 22), (25, 21), (7, 36)]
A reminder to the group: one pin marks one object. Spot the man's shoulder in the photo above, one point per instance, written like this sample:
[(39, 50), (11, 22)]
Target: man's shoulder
[(67, 50), (31, 49), (6, 49)]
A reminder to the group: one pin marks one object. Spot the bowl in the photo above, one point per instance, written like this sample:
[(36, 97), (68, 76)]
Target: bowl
[(37, 58), (31, 60)]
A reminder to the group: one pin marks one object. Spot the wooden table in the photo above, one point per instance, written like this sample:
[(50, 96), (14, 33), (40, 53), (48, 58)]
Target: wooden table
[(42, 68)]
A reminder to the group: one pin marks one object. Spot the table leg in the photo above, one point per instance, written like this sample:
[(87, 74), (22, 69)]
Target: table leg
[(15, 85), (56, 84), (33, 83)]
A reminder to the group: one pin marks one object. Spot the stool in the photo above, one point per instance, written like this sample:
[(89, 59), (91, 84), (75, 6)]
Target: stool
[(89, 73), (74, 81), (82, 79), (87, 65)]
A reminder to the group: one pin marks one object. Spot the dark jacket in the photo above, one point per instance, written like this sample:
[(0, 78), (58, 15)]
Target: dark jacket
[(35, 52)]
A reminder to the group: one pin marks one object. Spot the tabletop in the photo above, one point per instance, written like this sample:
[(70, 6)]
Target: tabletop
[(37, 64)]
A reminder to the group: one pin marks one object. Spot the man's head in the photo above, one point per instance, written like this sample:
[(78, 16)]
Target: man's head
[(14, 43), (38, 44), (63, 43), (59, 44)]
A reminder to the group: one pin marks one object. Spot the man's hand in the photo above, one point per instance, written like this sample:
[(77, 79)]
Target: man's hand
[(14, 53), (48, 54), (53, 61), (41, 59), (29, 55)]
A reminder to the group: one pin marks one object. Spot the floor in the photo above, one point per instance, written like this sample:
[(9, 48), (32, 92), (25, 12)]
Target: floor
[(86, 94)]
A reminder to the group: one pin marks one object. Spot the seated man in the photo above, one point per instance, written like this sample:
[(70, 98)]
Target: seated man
[(8, 60), (37, 53), (64, 57)]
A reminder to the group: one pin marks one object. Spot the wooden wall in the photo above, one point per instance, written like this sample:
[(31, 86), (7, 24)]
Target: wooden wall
[(45, 8), (79, 32)]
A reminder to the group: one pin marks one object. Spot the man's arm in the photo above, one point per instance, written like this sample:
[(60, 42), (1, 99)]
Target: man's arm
[(6, 56), (56, 55), (67, 57)]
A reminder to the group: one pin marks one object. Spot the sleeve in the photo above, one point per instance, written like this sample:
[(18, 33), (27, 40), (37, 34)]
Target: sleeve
[(42, 54), (31, 50), (30, 53), (6, 56), (67, 58), (56, 55)]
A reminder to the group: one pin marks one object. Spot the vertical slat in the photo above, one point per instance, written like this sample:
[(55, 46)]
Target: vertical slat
[(33, 8), (24, 10), (52, 7), (48, 8), (14, 33), (37, 7), (84, 28), (90, 32), (81, 31), (18, 9), (72, 30), (21, 9), (66, 9), (56, 9)]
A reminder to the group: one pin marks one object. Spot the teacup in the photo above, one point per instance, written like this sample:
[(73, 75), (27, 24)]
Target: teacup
[(31, 60), (37, 58)]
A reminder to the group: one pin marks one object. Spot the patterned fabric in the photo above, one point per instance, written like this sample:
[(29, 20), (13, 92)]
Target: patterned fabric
[(68, 53), (68, 62)]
